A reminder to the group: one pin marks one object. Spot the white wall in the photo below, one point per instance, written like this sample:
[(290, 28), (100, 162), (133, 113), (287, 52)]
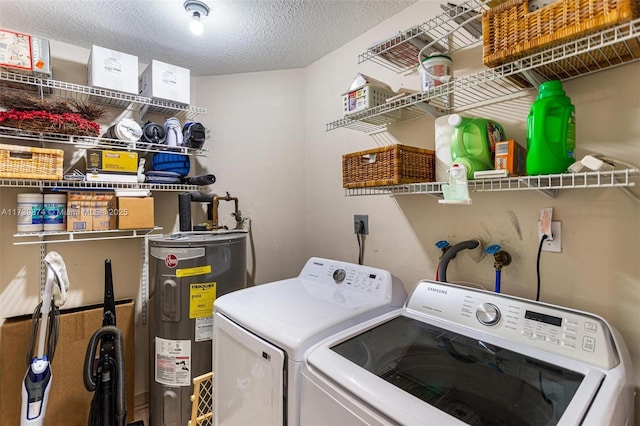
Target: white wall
[(256, 151)]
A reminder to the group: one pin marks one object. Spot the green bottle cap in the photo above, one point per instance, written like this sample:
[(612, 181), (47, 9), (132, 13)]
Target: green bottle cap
[(550, 88)]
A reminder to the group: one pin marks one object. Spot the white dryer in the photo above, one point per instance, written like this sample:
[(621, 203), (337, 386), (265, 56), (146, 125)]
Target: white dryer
[(455, 355), (261, 333)]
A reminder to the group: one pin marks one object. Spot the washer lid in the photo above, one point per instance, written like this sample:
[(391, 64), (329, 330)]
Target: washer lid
[(409, 370), (293, 314)]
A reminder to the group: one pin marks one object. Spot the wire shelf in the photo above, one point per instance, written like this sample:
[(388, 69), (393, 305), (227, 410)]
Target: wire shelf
[(400, 52), (89, 142), (62, 185), (548, 184), (106, 97), (48, 237), (607, 49)]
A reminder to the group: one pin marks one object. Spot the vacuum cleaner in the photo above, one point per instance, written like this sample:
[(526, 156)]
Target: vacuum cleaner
[(46, 319), (104, 375)]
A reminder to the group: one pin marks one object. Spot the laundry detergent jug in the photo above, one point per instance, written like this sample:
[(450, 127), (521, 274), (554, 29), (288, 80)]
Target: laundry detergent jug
[(473, 142), (551, 131)]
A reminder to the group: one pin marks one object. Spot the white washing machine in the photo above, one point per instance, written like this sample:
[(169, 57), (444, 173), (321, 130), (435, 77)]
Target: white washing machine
[(261, 333), (456, 355)]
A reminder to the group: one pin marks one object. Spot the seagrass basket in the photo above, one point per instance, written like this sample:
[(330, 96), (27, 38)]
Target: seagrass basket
[(23, 162), (390, 165), (511, 31)]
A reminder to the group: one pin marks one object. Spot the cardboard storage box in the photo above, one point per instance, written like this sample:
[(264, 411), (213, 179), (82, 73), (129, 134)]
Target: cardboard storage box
[(512, 157), (91, 211), (113, 70), (69, 401), (15, 50), (165, 81), (105, 160), (135, 213), (23, 52)]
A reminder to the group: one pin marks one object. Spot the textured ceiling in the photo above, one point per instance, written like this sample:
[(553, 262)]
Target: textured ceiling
[(239, 35)]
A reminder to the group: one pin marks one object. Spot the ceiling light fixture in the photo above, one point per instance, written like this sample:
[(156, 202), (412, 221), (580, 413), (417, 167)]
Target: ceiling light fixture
[(197, 10)]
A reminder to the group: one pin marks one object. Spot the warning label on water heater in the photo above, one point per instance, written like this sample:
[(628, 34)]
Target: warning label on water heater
[(173, 362)]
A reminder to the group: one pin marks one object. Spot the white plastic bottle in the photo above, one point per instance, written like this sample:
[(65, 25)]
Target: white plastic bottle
[(444, 132)]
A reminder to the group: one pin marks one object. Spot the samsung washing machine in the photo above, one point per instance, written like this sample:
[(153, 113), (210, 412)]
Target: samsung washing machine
[(455, 355), (261, 333)]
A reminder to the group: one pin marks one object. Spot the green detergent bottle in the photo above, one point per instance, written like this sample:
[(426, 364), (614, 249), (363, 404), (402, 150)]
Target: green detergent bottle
[(473, 142), (551, 131)]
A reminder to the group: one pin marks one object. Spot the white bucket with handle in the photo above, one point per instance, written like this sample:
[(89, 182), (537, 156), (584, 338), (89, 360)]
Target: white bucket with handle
[(436, 69)]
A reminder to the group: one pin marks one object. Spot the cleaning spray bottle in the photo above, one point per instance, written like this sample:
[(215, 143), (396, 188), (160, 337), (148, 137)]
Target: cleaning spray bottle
[(551, 131), (473, 142)]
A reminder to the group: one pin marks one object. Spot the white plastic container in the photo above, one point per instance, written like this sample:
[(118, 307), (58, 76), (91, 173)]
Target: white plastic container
[(435, 70), (54, 212), (125, 130), (29, 213), (444, 131)]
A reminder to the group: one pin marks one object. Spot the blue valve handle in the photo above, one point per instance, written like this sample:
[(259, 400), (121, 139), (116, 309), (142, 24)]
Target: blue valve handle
[(493, 249), (442, 244)]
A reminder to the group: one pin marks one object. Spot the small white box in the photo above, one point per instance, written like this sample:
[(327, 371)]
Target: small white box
[(165, 81), (113, 70)]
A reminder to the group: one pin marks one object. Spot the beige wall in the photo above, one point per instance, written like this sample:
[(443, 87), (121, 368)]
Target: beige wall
[(599, 267), (268, 146)]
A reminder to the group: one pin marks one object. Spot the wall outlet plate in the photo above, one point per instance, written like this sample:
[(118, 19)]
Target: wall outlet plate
[(357, 218), (554, 245)]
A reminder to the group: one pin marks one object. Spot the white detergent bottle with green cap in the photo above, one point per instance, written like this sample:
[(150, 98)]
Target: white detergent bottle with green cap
[(551, 131), (473, 142)]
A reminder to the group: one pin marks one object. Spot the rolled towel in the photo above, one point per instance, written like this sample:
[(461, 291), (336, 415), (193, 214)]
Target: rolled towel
[(56, 264), (201, 180)]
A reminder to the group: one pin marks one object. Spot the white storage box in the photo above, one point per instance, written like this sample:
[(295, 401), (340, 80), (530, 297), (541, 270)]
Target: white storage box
[(367, 96), (113, 70), (164, 81)]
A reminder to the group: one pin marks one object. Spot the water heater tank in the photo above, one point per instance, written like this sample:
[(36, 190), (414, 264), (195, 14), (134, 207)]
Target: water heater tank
[(186, 274)]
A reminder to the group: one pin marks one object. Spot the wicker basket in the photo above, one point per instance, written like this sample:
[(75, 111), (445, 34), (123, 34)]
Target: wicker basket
[(23, 162), (390, 165), (511, 32)]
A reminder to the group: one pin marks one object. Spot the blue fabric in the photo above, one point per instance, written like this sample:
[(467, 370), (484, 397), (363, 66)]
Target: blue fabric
[(166, 162)]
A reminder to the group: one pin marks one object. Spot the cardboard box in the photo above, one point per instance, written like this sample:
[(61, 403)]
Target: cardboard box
[(15, 50), (41, 57), (135, 213), (165, 81), (91, 211), (69, 401), (112, 177), (79, 216), (25, 53), (511, 156), (105, 160), (113, 70)]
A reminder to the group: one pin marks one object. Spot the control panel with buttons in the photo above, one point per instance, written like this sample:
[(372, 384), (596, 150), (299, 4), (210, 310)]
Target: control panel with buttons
[(359, 278), (563, 331)]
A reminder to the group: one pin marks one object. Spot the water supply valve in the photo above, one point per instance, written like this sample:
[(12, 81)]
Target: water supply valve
[(501, 257), (442, 245)]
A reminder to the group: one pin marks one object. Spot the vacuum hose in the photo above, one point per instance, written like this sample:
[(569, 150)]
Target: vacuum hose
[(109, 368), (450, 254)]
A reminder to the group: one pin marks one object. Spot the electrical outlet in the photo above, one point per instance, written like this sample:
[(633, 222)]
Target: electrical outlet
[(554, 245), (364, 218)]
